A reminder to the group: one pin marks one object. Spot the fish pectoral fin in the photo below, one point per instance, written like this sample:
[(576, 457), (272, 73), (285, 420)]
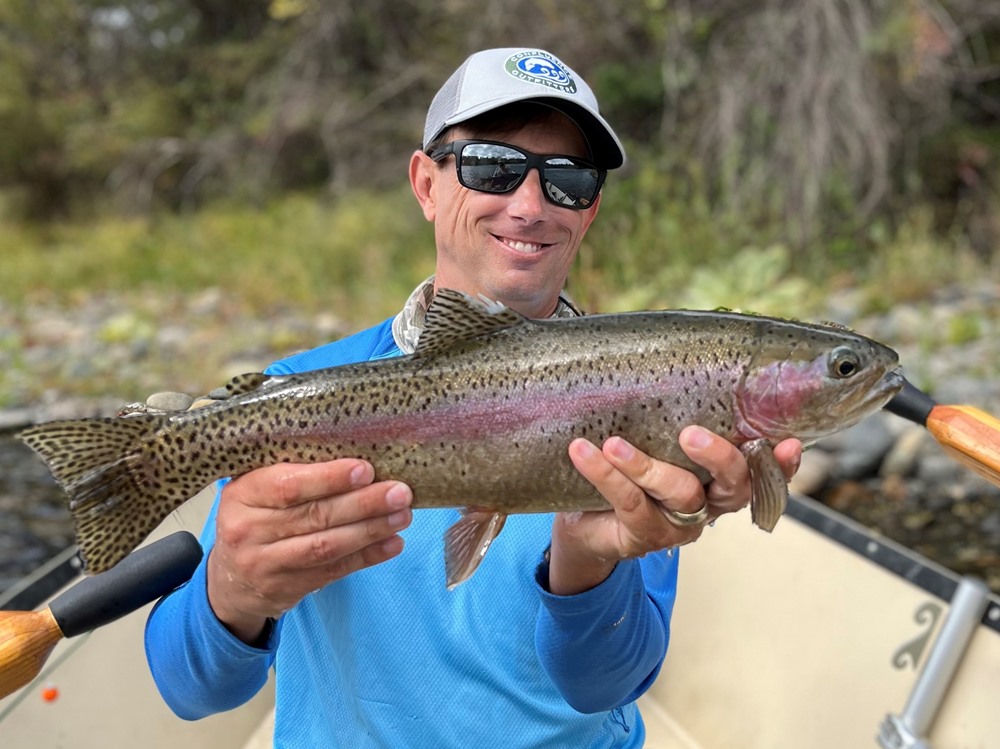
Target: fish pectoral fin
[(467, 541), (768, 487)]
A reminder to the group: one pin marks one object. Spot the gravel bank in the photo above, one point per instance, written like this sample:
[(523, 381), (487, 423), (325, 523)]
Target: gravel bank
[(887, 473)]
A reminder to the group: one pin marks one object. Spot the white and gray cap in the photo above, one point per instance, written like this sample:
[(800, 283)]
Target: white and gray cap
[(494, 78)]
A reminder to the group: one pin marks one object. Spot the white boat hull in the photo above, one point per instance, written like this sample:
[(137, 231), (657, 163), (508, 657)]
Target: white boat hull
[(783, 640), (794, 640)]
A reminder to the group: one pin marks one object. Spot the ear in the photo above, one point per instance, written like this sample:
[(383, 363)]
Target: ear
[(423, 174), (591, 213)]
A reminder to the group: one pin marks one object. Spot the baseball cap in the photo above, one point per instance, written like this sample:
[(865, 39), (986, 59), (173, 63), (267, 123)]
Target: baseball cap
[(493, 78)]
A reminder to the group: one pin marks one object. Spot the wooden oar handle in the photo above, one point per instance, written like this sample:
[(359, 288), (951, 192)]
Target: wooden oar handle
[(27, 637), (967, 434)]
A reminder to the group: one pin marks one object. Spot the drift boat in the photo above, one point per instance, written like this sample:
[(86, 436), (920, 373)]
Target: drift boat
[(823, 634)]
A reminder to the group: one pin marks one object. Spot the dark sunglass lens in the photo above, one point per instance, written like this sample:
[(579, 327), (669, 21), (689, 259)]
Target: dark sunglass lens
[(490, 167), (571, 184)]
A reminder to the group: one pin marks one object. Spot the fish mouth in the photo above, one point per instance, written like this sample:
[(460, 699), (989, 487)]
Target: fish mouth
[(849, 409), (890, 384), (882, 390)]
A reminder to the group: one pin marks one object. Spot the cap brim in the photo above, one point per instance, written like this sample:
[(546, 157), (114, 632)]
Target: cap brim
[(605, 147)]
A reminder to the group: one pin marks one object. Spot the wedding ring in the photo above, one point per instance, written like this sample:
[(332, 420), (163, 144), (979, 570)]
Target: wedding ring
[(685, 519)]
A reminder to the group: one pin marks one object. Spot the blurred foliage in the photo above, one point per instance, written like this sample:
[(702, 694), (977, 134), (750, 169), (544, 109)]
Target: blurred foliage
[(916, 261), (358, 255), (964, 329), (754, 280), (820, 126)]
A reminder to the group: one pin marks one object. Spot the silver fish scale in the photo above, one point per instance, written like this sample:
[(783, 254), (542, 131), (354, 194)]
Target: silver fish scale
[(482, 413), (631, 382)]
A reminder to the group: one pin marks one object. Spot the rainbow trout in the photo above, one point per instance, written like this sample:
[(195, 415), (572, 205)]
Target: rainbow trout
[(481, 414)]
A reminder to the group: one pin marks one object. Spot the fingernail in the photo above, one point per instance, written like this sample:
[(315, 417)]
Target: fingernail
[(392, 546), (399, 519), (360, 475), (585, 448), (698, 439), (796, 464), (398, 496), (620, 448)]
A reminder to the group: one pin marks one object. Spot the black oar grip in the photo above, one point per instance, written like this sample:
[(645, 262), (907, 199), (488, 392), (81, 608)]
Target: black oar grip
[(141, 577), (911, 403)]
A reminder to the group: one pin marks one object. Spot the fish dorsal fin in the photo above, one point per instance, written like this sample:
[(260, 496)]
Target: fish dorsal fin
[(246, 383), (453, 317), (240, 385), (836, 326)]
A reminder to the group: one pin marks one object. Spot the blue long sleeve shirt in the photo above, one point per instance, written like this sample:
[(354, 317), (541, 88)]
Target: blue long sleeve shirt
[(388, 657)]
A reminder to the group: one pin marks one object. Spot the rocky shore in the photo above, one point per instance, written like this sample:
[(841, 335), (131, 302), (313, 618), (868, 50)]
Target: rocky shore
[(892, 475), (886, 472)]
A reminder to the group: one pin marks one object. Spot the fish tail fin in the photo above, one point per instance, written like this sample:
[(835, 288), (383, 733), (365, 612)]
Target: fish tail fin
[(117, 480), (467, 541)]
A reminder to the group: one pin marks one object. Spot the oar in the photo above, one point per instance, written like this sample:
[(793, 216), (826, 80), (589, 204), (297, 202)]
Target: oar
[(969, 435), (28, 637)]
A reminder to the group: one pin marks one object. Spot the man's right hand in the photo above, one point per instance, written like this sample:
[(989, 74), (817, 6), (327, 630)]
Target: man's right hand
[(287, 530)]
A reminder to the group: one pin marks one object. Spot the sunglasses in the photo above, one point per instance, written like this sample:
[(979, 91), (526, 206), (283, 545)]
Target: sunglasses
[(488, 166)]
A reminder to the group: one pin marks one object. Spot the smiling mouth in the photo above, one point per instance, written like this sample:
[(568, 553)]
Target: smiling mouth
[(526, 248)]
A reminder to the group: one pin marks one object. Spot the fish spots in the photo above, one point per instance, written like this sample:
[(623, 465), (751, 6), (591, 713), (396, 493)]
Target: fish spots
[(484, 420)]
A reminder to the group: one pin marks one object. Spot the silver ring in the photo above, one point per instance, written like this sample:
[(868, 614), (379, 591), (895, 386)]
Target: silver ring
[(685, 519)]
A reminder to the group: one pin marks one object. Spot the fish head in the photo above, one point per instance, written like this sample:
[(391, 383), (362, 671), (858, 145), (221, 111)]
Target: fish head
[(815, 382)]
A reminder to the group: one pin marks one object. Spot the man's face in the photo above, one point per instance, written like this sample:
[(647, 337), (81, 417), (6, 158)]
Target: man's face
[(515, 247)]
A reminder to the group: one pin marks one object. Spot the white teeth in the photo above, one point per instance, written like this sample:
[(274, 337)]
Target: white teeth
[(527, 247)]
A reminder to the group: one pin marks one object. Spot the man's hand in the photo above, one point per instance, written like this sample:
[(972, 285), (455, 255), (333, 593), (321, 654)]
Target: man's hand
[(287, 530), (586, 546)]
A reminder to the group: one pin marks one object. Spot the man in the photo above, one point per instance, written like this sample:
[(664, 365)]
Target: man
[(566, 622)]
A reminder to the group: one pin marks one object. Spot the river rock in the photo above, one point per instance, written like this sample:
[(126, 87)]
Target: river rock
[(906, 451), (814, 472), (860, 449), (886, 472), (168, 401)]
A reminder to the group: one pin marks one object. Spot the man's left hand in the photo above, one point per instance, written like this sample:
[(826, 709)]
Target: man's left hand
[(586, 546)]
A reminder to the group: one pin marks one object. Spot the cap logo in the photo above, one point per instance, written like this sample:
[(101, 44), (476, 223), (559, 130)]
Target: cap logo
[(535, 66)]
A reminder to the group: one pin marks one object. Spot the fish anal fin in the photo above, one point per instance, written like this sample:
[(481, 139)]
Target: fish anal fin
[(453, 317), (467, 541), (769, 489)]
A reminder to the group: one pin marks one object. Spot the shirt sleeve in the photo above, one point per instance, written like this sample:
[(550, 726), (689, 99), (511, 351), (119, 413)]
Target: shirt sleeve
[(603, 648), (199, 666)]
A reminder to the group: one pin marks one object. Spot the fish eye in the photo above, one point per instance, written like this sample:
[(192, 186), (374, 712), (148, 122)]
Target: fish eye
[(844, 362)]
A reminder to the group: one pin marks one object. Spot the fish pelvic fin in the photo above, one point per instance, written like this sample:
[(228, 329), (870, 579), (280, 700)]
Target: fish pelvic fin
[(467, 541), (768, 487), (117, 496)]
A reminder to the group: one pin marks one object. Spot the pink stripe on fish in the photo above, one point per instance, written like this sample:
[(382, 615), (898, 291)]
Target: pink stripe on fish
[(477, 418)]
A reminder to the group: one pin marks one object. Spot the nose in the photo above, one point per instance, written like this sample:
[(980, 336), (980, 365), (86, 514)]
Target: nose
[(528, 200)]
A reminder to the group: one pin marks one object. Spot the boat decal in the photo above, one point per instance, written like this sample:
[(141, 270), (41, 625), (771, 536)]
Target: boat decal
[(910, 653)]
